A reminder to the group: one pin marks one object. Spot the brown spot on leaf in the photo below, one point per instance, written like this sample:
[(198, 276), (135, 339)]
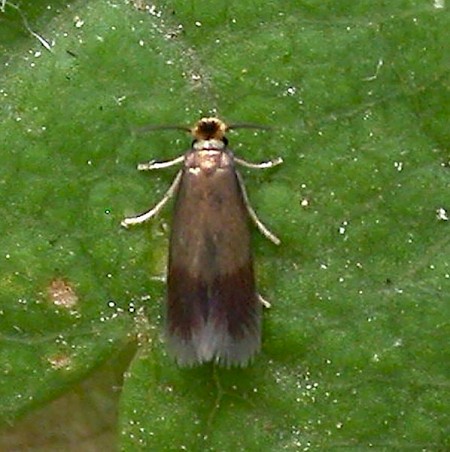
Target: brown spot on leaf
[(60, 362), (62, 294)]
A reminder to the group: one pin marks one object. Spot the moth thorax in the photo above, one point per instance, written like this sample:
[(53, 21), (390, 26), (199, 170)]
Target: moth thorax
[(208, 161), (209, 145)]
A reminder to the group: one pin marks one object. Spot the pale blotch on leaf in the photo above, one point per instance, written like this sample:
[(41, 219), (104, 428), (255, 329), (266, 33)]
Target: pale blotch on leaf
[(62, 294)]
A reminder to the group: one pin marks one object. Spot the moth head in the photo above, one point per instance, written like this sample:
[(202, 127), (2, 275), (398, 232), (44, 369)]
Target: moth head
[(209, 129)]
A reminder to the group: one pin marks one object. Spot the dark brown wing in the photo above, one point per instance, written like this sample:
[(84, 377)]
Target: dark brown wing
[(213, 310)]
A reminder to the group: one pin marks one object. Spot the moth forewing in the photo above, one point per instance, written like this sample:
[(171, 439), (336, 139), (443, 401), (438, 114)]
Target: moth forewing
[(213, 309)]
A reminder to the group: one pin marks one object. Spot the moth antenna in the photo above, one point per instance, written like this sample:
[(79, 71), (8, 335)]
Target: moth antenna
[(248, 126), (150, 128)]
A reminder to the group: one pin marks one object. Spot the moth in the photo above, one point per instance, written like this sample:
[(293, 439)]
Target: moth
[(213, 307)]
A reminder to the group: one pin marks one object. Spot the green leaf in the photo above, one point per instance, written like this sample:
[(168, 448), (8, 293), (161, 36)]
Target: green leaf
[(355, 345)]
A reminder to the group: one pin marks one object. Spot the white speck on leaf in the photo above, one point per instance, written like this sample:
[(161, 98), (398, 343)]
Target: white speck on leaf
[(442, 214), (78, 22)]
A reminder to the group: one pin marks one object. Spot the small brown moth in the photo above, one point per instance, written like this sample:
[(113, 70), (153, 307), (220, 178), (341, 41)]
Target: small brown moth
[(213, 308)]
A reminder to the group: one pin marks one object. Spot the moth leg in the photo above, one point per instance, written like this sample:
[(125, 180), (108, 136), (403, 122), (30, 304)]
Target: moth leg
[(158, 165), (155, 210), (264, 231), (262, 165), (264, 302)]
